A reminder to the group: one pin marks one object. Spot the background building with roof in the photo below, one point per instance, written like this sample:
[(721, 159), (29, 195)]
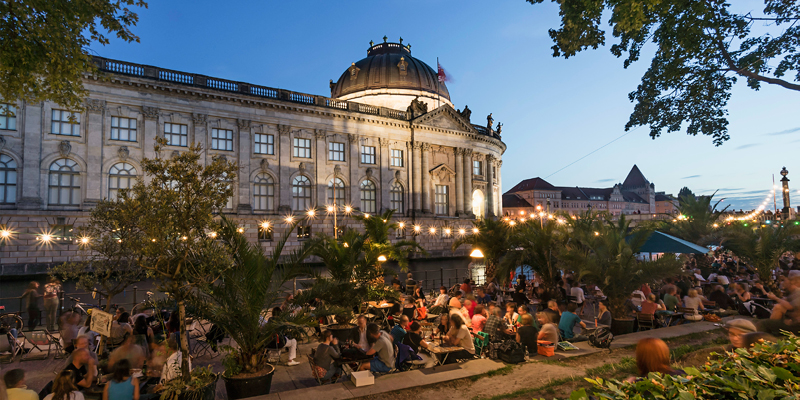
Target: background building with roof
[(635, 195), (387, 138)]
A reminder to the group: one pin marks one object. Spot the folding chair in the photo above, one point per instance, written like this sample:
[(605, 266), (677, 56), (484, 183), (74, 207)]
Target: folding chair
[(481, 342), (318, 373), (646, 321), (59, 345), (11, 345), (201, 345), (36, 339)]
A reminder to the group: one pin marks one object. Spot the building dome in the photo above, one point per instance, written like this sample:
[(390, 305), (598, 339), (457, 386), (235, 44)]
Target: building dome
[(390, 77)]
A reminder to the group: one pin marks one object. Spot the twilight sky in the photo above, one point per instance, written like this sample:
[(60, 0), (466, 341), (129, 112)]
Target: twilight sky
[(554, 111)]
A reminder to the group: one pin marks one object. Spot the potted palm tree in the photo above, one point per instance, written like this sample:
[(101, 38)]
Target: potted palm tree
[(492, 238), (237, 301)]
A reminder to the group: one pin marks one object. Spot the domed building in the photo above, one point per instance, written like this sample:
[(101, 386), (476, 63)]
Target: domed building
[(388, 137)]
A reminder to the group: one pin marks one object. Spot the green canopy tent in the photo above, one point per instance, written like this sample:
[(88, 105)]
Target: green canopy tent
[(659, 243)]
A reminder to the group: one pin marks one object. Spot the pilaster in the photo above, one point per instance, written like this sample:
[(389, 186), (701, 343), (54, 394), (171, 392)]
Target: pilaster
[(426, 178), (384, 176), (490, 186), (95, 110), (467, 181), (459, 152), (245, 205), (32, 132), (284, 151), (355, 158), (150, 130), (416, 157)]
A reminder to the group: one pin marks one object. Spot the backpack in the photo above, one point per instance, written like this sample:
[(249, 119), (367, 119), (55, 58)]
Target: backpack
[(601, 338)]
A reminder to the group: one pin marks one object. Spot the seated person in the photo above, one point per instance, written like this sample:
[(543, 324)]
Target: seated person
[(420, 312), (410, 282), (495, 327), (382, 348), (479, 318), (409, 309), (283, 341), (786, 312), (576, 292), (455, 301), (741, 292), (651, 305), (82, 342), (442, 300), (82, 369), (119, 328), (414, 340), (527, 335), (491, 288), (511, 315), (721, 299), (444, 325), (521, 310), (361, 338), (481, 297), (15, 386), (122, 385), (130, 351), (64, 387), (172, 368), (652, 355), (548, 331), (553, 311), (459, 336), (399, 330), (693, 301), (327, 352), (568, 322), (671, 301), (465, 287), (605, 314), (69, 330)]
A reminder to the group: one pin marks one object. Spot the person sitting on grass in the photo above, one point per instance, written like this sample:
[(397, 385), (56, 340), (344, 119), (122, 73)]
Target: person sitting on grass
[(495, 327), (511, 316), (382, 348), (568, 322), (652, 355), (326, 353), (527, 335), (604, 315), (15, 386)]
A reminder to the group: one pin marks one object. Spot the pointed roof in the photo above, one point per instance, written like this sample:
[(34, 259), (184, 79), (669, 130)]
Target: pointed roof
[(532, 184), (635, 178)]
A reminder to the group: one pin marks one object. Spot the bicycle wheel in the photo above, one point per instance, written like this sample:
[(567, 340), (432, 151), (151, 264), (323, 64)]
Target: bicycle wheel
[(8, 321)]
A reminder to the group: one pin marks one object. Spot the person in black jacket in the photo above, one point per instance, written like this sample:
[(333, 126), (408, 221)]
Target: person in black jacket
[(721, 298)]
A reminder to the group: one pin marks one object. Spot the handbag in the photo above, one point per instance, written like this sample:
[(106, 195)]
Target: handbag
[(545, 348)]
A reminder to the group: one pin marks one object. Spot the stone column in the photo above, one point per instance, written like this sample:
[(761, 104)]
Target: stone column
[(33, 194), (384, 176), (284, 151), (426, 178), (354, 198), (150, 130), (499, 183), (416, 162), (468, 181), (319, 166), (95, 111), (244, 205), (459, 181), (489, 186)]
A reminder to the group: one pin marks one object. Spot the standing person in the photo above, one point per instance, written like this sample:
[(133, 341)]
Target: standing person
[(51, 290), (69, 330), (64, 389), (280, 341), (122, 385), (15, 386), (31, 297), (326, 353)]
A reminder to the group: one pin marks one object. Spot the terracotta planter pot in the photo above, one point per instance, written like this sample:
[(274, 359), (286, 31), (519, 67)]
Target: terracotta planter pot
[(343, 332), (240, 388)]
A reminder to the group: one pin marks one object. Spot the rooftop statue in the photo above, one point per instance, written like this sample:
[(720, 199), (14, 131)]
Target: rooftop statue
[(489, 122), (466, 113)]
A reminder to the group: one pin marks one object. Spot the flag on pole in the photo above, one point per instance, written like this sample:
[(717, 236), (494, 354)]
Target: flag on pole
[(442, 73)]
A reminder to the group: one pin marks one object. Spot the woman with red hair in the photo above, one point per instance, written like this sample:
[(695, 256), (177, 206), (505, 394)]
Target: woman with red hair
[(652, 355)]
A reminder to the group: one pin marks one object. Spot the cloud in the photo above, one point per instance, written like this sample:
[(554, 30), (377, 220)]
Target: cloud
[(605, 180), (786, 132), (691, 176), (747, 146)]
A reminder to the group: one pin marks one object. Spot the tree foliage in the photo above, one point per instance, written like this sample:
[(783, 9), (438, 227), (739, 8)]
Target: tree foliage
[(535, 244), (701, 49), (762, 246), (237, 301), (492, 239), (698, 221), (685, 192), (44, 45), (110, 257)]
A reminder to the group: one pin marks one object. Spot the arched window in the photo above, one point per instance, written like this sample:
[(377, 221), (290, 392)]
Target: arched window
[(65, 183), (396, 197), (8, 180), (368, 196), (301, 193), (120, 176), (263, 192), (336, 191)]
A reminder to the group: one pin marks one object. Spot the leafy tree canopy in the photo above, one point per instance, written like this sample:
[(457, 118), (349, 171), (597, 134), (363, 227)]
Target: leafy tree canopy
[(44, 45), (685, 192), (702, 47)]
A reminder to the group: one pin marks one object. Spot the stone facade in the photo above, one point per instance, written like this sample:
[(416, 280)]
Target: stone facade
[(282, 140)]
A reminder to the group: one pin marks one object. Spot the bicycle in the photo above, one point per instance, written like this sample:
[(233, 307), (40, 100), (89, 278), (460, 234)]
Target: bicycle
[(10, 321)]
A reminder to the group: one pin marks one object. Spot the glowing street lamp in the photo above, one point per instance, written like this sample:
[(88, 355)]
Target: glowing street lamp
[(382, 258), (46, 238), (476, 253)]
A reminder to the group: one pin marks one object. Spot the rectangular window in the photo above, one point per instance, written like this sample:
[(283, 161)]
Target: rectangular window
[(441, 200), (61, 230), (494, 172), (176, 134), (477, 167), (400, 233), (302, 148), (265, 144), (303, 232), (66, 123), (265, 234), (8, 117), (368, 154), (222, 139), (397, 158), (123, 129), (336, 151)]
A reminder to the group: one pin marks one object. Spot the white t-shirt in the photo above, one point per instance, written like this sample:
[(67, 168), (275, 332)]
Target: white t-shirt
[(172, 368), (692, 302), (442, 300), (73, 395), (464, 338), (577, 293), (723, 280)]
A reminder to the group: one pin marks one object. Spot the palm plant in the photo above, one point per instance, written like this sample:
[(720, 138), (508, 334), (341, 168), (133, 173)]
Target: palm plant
[(492, 238), (762, 246), (238, 300), (605, 251), (698, 220), (536, 245)]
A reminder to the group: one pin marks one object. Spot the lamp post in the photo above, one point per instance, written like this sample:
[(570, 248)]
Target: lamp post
[(785, 183), (476, 256)]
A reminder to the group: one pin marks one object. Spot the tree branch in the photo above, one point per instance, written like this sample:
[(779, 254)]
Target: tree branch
[(749, 74)]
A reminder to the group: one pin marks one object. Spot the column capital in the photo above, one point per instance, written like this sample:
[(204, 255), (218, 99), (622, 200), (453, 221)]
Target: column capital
[(199, 119), (468, 152), (320, 134), (284, 130), (352, 138), (243, 124), (98, 106), (383, 142), (150, 112), (426, 146)]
